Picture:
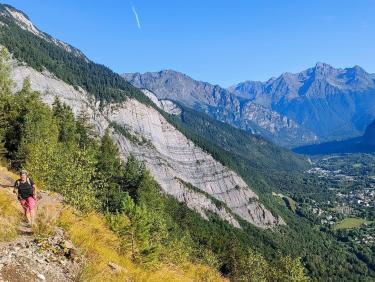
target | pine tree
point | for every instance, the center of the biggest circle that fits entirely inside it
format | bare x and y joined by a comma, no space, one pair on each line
85,131
138,230
133,176
5,80
66,121
109,172
5,98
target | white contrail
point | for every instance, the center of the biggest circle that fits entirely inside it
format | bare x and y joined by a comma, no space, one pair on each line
136,17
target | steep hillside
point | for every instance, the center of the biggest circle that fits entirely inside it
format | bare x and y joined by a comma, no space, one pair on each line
176,163
222,105
171,157
58,248
151,232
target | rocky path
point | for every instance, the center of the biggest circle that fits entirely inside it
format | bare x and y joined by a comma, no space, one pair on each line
33,257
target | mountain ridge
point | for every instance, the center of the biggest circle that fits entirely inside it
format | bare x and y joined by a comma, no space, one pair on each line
221,104
318,104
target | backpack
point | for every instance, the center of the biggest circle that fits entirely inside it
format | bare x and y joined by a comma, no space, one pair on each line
27,180
17,184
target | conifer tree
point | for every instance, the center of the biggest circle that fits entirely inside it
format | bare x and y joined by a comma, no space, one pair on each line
5,97
85,131
109,172
66,121
133,176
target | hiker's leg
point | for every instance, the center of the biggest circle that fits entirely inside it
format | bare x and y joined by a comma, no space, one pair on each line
25,209
28,216
32,216
31,205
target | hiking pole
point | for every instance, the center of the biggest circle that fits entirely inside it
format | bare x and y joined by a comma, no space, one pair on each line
6,186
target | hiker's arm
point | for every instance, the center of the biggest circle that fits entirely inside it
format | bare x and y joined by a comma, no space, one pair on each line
15,190
34,191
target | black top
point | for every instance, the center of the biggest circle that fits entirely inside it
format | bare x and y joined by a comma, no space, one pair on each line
25,189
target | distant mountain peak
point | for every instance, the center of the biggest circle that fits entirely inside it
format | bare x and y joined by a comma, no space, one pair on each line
323,70
322,65
357,70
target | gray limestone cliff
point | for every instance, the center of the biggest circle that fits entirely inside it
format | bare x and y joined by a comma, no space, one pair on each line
182,169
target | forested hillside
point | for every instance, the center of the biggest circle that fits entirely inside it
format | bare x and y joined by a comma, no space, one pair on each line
63,154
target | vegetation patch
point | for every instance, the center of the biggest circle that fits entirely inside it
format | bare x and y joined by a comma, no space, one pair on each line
139,140
290,203
350,223
219,204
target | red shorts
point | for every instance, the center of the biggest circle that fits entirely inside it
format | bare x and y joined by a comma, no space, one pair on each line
28,204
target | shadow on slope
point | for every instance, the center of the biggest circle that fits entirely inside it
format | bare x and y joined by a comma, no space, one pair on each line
353,145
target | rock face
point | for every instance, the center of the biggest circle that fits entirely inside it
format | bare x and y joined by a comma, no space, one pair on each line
181,168
235,109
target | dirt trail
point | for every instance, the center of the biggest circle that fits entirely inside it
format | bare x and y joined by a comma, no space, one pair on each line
31,256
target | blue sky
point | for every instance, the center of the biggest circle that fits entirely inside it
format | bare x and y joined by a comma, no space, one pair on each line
222,42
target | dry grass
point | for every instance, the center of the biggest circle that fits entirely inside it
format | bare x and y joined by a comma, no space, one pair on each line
46,220
7,173
10,211
10,216
101,246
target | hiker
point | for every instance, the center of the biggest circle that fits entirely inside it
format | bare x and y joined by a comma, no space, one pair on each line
25,189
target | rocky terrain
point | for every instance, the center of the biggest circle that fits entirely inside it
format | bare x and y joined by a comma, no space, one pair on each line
173,159
30,257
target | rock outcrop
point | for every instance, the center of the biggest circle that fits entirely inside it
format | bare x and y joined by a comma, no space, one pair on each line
182,169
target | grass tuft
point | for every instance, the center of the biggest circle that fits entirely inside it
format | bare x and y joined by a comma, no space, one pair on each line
10,216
